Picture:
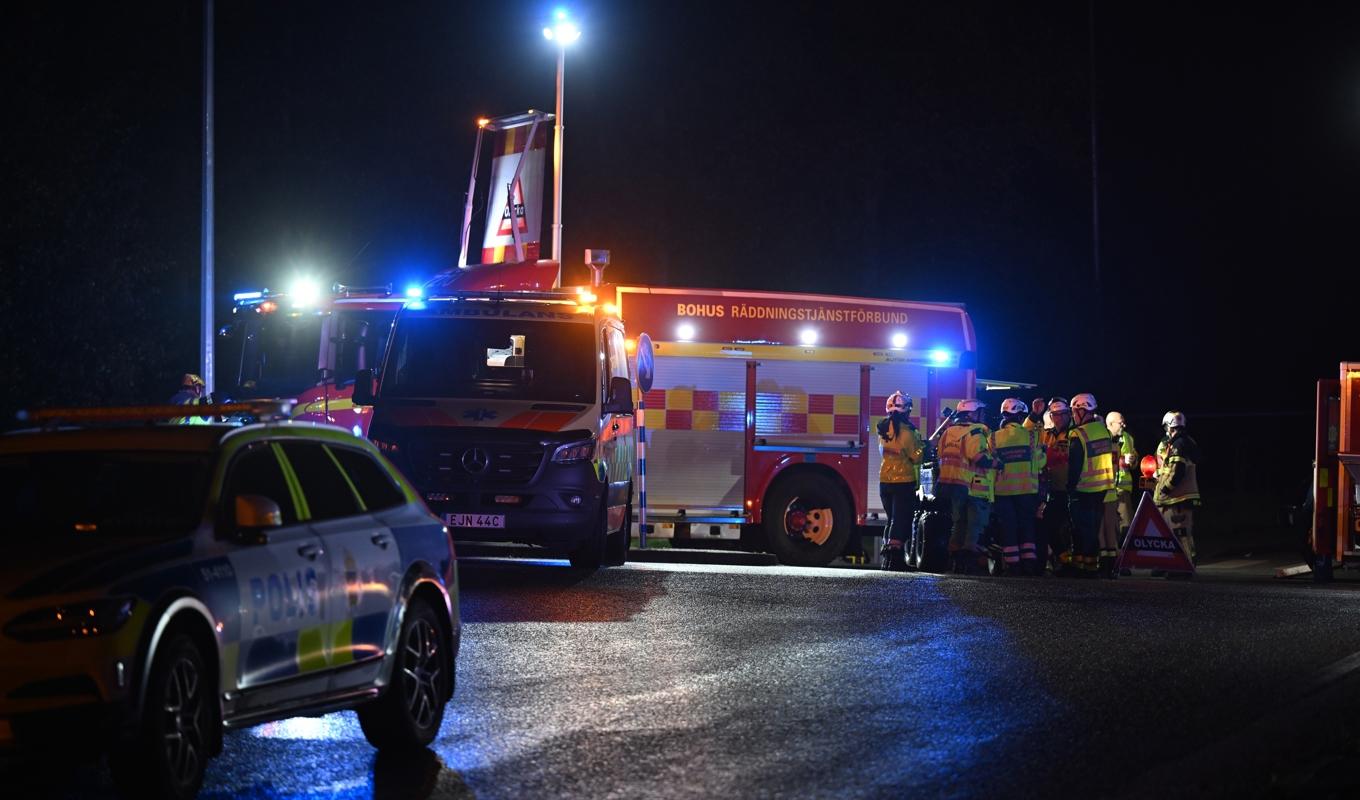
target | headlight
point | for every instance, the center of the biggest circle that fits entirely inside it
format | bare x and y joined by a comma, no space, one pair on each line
573,452
75,621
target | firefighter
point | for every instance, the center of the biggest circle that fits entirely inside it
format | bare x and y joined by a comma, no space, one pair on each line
1177,491
1052,528
898,475
967,475
1022,458
1090,477
190,394
1125,454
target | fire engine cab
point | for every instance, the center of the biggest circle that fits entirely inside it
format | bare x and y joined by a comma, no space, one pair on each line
308,344
759,422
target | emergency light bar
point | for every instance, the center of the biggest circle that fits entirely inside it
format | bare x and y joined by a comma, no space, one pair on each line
264,409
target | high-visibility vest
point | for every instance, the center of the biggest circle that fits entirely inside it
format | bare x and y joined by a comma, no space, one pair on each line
1097,463
1188,488
1056,445
1123,476
904,466
1022,458
960,447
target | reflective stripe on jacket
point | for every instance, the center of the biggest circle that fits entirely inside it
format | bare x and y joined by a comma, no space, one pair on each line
1097,460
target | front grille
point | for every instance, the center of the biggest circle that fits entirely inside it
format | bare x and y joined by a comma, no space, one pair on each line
454,464
69,686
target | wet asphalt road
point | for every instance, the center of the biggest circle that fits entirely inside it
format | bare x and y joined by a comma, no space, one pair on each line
701,681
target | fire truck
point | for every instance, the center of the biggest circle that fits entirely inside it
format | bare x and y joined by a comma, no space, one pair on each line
759,422
308,344
1336,472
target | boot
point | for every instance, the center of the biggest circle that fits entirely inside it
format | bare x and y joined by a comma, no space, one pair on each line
894,560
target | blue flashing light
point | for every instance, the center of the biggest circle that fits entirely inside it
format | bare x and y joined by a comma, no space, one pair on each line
560,13
416,305
941,356
415,292
239,296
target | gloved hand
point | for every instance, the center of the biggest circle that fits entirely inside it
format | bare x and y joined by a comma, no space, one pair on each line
1037,407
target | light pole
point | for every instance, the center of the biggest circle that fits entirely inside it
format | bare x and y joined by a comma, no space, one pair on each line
207,332
563,31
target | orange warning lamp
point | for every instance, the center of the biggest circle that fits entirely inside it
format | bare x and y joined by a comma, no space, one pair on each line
1148,466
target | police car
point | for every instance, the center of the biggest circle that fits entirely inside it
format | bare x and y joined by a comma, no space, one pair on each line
162,582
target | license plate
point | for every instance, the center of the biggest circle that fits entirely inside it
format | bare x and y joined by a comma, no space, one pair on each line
475,520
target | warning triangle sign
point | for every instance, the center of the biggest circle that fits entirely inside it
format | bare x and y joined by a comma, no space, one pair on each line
1150,544
517,204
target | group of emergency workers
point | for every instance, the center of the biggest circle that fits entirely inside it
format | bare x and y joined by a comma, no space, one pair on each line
1057,478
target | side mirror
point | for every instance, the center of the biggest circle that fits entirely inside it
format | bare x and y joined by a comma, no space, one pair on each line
255,512
620,397
363,388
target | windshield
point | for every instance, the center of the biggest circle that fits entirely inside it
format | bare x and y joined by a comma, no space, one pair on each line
279,355
492,358
103,493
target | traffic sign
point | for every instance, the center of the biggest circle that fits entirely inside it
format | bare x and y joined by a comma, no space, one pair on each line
1150,544
646,363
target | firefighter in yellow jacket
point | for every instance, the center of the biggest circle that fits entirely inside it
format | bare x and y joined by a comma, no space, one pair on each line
1177,491
1090,477
967,474
898,476
1022,458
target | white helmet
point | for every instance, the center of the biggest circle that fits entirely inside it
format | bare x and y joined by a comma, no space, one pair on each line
1084,401
1173,419
897,402
1014,405
1048,421
1058,406
969,406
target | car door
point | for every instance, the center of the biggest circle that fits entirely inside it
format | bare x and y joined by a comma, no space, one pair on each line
618,438
282,574
364,559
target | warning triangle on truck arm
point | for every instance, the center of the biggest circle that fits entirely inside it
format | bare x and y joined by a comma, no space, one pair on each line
1150,544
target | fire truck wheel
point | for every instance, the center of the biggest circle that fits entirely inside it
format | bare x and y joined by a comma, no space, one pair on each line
808,519
590,553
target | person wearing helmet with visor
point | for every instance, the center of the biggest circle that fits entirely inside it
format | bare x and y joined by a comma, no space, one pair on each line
899,473
1090,477
1022,458
190,393
1177,490
967,476
1053,525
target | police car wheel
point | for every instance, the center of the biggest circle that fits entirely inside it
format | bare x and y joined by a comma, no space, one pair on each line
409,712
807,519
167,756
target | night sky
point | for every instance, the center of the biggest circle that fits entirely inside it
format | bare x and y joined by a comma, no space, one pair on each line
937,151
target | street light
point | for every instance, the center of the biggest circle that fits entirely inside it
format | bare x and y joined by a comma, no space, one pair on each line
563,31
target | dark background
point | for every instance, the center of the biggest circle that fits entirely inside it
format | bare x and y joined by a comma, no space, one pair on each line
919,150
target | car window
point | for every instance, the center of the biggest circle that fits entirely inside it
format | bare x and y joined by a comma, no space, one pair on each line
370,478
327,490
618,355
257,471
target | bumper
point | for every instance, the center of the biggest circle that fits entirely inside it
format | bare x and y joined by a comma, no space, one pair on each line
555,528
84,728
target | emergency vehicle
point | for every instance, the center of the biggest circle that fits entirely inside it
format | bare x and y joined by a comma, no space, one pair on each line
163,582
306,343
1335,535
512,410
760,419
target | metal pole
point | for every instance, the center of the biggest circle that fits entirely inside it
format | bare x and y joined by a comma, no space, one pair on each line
642,471
557,167
206,310
467,205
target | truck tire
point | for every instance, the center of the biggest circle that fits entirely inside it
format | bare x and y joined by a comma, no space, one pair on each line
170,750
589,555
616,547
407,715
930,541
808,519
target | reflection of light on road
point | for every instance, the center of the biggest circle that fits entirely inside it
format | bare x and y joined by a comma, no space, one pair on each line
331,726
